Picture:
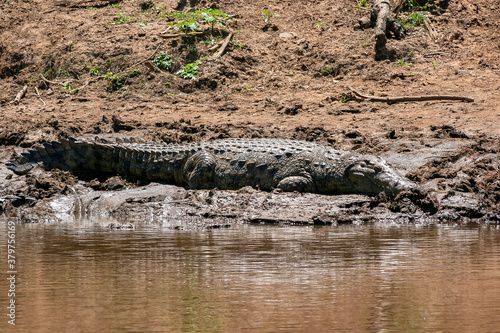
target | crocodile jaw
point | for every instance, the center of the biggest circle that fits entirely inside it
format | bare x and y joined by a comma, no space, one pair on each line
373,175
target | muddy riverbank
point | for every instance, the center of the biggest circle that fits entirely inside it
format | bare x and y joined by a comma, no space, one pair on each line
97,70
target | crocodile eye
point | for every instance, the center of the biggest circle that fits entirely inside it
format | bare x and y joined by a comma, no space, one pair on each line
362,164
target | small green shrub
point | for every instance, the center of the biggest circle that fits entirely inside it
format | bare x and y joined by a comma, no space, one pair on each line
412,20
134,73
70,90
190,71
121,19
212,17
268,16
186,26
147,5
115,81
361,4
403,63
163,61
95,70
345,98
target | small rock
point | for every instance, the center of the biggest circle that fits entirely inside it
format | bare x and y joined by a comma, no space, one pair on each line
364,22
288,35
114,183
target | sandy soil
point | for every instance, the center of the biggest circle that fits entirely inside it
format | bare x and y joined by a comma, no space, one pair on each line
287,77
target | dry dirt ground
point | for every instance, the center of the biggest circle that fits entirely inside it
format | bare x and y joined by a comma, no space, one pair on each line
89,70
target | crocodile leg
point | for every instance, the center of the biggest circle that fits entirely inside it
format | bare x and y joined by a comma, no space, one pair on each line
199,170
296,183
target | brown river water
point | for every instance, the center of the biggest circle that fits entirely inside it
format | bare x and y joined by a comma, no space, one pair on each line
83,277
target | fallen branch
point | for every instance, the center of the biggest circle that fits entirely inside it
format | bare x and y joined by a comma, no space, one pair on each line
83,3
384,23
191,34
20,95
38,94
224,46
411,98
51,82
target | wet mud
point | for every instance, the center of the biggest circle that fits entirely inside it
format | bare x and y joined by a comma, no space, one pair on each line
84,75
459,178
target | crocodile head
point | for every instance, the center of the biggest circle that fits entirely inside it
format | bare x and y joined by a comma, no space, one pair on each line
373,175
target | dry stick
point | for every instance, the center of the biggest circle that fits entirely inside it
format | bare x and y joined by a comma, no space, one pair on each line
432,54
430,28
196,33
398,6
51,82
224,46
148,58
217,45
412,98
20,95
68,3
38,94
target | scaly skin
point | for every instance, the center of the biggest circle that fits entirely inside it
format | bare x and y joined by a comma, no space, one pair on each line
229,164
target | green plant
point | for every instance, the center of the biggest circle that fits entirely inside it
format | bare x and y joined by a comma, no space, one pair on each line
134,73
412,20
238,44
416,4
434,64
163,61
121,19
403,63
322,26
268,16
361,4
345,98
190,70
95,70
69,46
212,17
115,81
186,26
327,70
116,5
147,5
71,90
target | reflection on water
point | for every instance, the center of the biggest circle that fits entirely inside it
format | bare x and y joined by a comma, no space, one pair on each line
256,279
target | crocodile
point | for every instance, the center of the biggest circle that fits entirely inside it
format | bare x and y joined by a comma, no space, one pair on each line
226,164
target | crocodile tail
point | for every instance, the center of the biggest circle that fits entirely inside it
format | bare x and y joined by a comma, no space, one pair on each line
62,155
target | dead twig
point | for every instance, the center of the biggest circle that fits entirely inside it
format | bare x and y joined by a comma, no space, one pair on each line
83,3
20,95
38,94
191,34
215,46
430,28
51,82
432,54
411,98
148,58
166,30
224,46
